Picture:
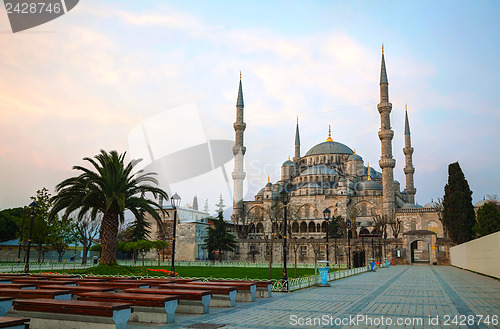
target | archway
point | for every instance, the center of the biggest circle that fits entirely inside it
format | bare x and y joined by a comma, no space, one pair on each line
421,246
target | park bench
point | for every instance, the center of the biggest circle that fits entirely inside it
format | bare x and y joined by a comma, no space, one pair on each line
8,322
76,290
57,276
72,314
118,286
88,279
246,290
36,293
17,286
222,296
263,287
5,305
157,281
38,284
190,301
146,307
5,280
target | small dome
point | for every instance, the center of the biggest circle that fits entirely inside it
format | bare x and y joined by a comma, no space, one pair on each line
329,148
373,173
431,204
354,157
368,185
288,163
261,192
481,203
269,184
319,170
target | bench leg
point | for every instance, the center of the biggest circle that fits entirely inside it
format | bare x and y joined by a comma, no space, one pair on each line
205,301
252,291
63,297
5,307
170,307
121,317
232,297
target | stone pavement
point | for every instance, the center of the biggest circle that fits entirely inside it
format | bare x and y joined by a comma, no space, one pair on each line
418,296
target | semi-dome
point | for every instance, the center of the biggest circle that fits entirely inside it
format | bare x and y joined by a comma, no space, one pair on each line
368,185
288,163
311,185
329,148
319,170
261,192
354,157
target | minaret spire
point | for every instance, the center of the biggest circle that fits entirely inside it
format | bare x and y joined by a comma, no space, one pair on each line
387,162
239,153
329,139
409,170
296,158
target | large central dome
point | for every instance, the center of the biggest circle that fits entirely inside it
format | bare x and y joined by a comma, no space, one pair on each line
329,148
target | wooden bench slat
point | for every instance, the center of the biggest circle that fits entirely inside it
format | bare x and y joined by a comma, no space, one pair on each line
135,298
7,321
69,306
182,294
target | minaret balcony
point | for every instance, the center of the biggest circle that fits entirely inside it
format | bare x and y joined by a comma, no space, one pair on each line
408,150
384,107
239,126
386,134
410,170
387,163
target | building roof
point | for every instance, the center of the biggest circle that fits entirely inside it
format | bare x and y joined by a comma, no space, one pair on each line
368,185
288,163
329,148
354,157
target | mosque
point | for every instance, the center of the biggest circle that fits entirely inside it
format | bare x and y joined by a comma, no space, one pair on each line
331,176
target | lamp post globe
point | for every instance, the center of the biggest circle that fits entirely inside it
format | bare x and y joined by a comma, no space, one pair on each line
175,202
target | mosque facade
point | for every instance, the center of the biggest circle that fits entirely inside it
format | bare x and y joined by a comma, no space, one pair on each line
332,177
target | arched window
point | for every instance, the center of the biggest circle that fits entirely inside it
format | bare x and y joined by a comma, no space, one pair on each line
260,228
323,227
295,227
413,226
312,227
433,227
303,227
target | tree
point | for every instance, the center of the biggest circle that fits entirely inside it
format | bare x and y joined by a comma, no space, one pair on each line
488,220
218,237
86,230
110,190
458,211
205,208
195,202
41,230
10,221
220,206
158,246
60,235
141,246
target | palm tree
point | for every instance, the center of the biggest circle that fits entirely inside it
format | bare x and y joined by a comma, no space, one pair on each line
111,189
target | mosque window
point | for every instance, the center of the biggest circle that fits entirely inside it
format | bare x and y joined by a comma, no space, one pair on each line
312,227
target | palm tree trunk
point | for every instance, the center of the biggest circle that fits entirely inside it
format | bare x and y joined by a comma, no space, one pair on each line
109,241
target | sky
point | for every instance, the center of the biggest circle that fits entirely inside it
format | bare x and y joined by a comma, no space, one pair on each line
154,78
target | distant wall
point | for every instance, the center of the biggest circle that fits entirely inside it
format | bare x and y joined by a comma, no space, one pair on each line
480,255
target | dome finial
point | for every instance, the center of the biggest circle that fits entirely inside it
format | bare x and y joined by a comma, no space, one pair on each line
297,119
329,139
240,75
354,151
369,176
382,49
269,178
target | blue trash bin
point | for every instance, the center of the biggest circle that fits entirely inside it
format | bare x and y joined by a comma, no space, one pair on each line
323,269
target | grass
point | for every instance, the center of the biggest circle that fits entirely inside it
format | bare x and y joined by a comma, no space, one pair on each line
191,271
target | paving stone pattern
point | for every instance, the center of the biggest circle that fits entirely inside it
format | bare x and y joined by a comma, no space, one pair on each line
417,296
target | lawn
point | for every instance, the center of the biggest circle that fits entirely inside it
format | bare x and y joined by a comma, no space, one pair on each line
193,271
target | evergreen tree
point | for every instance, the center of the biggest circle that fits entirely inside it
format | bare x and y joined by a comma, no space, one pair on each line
488,220
205,208
458,211
10,222
220,206
195,202
218,237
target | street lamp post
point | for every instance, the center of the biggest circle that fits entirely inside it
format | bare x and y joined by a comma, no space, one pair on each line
33,205
21,236
175,201
326,216
348,222
285,198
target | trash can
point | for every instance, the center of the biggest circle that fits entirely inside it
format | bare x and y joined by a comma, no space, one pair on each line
372,265
387,263
95,260
323,269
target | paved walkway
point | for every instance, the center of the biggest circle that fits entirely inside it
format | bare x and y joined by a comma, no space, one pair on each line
418,296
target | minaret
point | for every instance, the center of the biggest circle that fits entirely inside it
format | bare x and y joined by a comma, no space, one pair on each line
296,158
387,162
239,153
409,170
